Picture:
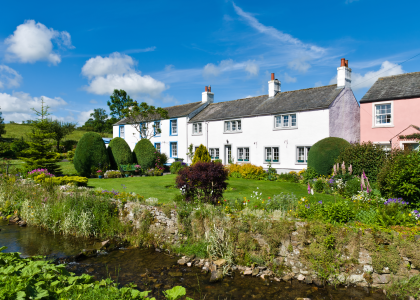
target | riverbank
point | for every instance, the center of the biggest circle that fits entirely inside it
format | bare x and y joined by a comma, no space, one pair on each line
273,246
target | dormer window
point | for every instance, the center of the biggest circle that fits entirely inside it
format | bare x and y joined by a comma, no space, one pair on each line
233,126
197,128
288,121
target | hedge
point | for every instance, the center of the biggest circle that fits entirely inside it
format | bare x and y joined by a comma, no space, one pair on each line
119,153
145,154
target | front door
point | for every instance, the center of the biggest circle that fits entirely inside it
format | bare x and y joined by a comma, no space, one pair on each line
228,154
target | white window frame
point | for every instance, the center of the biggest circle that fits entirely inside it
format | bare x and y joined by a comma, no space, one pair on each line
374,104
172,149
173,121
156,128
245,151
214,153
158,147
280,125
266,161
305,154
230,124
197,128
123,131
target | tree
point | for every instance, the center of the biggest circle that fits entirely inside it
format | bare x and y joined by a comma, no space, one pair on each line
120,100
97,121
2,125
201,155
143,118
60,130
39,154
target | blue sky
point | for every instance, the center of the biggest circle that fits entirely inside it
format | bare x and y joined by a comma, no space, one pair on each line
164,52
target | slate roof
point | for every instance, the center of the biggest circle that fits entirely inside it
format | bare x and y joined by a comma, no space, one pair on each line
283,102
394,87
173,111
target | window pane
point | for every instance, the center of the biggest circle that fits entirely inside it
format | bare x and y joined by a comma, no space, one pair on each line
268,154
307,153
278,121
285,121
211,152
199,128
276,154
247,154
174,149
383,114
240,153
293,120
239,125
233,123
194,128
174,127
300,154
227,126
217,152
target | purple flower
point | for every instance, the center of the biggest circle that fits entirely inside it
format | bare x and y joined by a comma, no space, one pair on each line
320,202
309,188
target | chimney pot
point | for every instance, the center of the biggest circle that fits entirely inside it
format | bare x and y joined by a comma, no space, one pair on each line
209,89
206,88
272,76
343,62
347,63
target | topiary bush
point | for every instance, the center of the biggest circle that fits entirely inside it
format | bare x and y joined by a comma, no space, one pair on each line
90,153
145,154
324,153
176,166
201,154
400,176
119,153
366,157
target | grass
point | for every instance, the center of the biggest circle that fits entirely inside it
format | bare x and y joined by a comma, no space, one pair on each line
163,188
19,130
66,167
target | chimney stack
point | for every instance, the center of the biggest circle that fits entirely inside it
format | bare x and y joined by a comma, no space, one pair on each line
344,74
207,95
274,86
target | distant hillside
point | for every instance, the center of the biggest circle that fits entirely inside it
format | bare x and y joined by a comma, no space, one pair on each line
18,131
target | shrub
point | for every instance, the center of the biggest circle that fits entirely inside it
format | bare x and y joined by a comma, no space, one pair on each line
163,158
366,157
400,176
18,145
145,154
204,181
90,152
73,180
176,166
308,174
324,153
247,171
201,155
69,145
119,153
112,174
352,187
288,177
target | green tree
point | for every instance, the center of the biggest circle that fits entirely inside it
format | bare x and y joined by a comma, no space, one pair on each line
2,125
201,154
120,100
39,154
60,130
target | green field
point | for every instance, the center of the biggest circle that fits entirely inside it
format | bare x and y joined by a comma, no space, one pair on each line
18,131
163,188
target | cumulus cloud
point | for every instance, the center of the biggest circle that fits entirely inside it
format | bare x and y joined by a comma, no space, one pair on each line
250,66
289,78
83,116
9,78
17,106
117,72
32,42
359,81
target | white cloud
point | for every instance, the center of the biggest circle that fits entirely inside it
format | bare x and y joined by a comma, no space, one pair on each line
359,81
169,68
319,83
300,64
83,117
93,101
17,106
117,72
227,65
149,49
289,78
9,78
32,42
252,67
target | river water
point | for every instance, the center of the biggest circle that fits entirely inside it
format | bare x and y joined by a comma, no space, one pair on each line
155,272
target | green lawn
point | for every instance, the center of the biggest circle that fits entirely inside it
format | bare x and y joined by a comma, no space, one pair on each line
18,131
162,187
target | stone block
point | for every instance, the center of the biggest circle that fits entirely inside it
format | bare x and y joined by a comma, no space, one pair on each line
364,257
381,278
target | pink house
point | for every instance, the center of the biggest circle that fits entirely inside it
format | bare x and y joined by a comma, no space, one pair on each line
390,112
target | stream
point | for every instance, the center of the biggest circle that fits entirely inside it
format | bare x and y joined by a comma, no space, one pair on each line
154,271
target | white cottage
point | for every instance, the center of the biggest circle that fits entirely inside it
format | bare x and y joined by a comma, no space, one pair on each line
278,128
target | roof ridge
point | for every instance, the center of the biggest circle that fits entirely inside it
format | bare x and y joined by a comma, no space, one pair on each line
182,104
404,74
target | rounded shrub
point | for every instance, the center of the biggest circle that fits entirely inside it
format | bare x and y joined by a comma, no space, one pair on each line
324,153
90,153
201,155
400,176
145,154
366,157
119,153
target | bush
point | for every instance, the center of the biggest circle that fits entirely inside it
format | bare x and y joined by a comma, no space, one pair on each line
18,145
203,181
352,187
366,157
69,145
176,166
90,153
201,155
400,176
112,174
119,153
324,153
247,171
73,180
145,154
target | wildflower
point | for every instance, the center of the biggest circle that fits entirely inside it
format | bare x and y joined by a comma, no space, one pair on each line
320,202
309,188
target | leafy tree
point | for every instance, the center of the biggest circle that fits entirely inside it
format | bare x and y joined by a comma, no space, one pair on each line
60,130
142,116
99,117
2,125
39,154
145,154
120,100
201,154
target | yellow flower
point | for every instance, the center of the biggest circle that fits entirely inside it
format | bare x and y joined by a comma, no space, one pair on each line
409,215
